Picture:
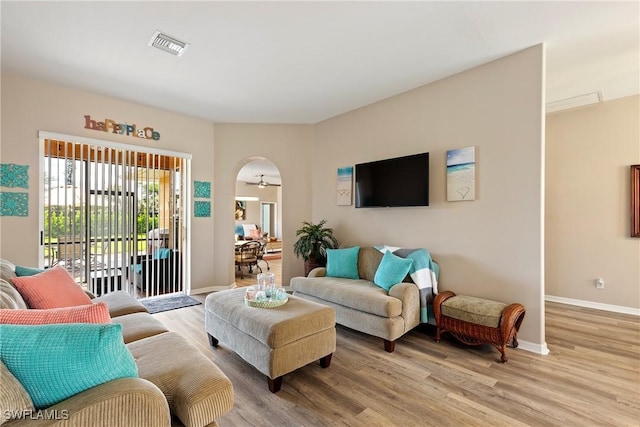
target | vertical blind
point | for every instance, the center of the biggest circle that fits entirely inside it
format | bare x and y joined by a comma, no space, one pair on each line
114,217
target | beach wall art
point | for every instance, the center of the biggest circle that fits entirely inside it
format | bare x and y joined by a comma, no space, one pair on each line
344,186
461,174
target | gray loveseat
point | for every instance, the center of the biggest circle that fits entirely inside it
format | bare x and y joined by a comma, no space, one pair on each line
362,305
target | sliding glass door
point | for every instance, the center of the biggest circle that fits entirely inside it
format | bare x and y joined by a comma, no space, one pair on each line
113,216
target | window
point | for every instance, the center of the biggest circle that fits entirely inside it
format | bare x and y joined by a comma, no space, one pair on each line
113,215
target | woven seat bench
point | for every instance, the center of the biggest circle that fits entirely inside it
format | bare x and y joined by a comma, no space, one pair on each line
475,321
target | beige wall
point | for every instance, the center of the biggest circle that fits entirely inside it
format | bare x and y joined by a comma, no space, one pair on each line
29,106
589,151
290,148
268,194
490,247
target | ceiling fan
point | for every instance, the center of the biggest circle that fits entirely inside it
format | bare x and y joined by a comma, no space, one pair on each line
262,183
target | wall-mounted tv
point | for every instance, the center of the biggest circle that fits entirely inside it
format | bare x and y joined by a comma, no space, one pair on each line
401,181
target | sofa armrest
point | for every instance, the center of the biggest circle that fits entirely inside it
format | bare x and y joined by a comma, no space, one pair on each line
409,294
121,402
318,272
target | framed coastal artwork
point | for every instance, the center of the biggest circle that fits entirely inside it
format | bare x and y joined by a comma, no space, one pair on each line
344,186
461,174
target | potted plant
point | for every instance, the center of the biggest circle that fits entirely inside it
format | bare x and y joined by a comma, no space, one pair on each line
312,244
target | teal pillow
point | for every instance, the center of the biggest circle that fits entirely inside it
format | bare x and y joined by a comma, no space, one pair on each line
27,271
343,263
392,270
162,253
54,362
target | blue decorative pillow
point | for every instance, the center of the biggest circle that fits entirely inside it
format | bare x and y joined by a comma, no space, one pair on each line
162,253
27,271
343,263
54,362
391,271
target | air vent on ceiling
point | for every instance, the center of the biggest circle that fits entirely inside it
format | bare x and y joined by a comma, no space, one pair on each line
168,43
574,102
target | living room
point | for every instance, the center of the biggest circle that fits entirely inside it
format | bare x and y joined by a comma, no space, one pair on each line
543,225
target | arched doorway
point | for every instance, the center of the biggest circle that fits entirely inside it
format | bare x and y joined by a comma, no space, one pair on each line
258,216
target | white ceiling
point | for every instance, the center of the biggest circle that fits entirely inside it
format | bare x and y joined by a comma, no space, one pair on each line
303,62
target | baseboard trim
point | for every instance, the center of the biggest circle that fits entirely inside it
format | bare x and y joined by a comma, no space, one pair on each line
210,289
533,347
597,305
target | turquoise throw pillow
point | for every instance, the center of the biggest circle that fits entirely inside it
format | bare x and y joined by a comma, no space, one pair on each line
54,362
391,271
162,253
343,263
27,271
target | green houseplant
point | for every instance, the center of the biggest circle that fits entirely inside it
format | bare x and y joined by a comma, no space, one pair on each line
312,244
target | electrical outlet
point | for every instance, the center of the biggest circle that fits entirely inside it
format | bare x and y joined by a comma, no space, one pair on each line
600,283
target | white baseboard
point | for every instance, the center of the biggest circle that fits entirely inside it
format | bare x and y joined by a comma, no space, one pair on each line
596,305
533,347
209,289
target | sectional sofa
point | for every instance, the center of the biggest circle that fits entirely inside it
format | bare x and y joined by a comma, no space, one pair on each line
174,382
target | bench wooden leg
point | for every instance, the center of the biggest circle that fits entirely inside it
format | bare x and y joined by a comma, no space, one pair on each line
326,361
213,342
274,384
389,346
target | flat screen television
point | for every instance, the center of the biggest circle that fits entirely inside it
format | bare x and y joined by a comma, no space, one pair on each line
401,181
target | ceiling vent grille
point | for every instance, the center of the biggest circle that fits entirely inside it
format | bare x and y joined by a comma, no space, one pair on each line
168,43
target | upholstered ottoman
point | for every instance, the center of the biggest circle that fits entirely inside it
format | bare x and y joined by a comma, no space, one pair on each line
475,321
275,341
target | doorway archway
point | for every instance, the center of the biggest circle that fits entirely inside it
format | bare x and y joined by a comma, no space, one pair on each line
258,216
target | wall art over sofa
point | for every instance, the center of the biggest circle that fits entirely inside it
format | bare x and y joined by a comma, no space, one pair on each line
461,174
344,186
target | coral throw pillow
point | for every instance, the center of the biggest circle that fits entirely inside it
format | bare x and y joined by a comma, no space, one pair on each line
53,288
92,313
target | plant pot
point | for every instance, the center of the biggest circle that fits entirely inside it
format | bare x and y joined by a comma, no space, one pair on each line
310,265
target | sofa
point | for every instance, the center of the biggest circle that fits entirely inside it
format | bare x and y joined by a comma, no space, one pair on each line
174,384
362,305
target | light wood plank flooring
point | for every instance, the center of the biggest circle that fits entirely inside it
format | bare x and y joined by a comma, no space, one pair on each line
275,267
591,378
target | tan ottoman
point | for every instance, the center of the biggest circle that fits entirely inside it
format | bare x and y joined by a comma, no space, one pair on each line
275,341
475,321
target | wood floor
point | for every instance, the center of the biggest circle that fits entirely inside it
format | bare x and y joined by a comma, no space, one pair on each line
275,267
590,378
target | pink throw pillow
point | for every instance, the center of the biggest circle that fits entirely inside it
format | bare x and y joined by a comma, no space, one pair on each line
92,313
53,288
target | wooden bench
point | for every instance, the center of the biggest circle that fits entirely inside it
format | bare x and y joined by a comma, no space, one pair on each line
475,321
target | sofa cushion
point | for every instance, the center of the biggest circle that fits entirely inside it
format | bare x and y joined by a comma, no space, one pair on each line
51,289
7,270
392,270
136,326
361,295
14,399
10,297
121,303
91,313
343,262
196,389
55,362
368,260
474,310
27,271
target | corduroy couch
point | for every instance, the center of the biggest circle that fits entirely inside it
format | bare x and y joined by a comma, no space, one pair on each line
175,379
360,304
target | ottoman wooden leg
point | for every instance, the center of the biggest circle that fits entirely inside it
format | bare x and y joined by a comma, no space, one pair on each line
274,384
213,341
326,361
